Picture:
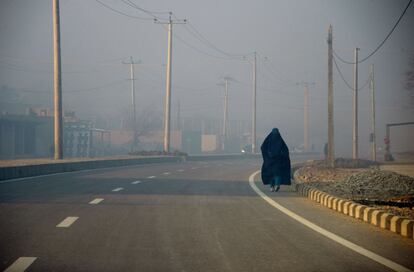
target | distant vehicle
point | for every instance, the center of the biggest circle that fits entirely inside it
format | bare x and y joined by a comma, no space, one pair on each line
247,149
297,150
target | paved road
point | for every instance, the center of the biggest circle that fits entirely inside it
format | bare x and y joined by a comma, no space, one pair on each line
198,216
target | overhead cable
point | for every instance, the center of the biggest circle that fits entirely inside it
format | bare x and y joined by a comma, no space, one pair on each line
344,80
193,31
122,13
382,43
193,47
68,91
135,6
270,68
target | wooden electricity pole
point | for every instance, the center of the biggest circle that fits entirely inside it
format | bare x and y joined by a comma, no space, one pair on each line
57,84
331,146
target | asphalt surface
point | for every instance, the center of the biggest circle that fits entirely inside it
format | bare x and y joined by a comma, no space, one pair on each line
194,216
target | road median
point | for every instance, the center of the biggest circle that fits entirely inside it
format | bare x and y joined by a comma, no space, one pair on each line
31,168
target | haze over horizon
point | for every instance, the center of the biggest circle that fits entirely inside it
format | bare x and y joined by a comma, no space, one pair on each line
289,37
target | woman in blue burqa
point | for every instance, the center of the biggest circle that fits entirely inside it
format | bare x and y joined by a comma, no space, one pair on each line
276,161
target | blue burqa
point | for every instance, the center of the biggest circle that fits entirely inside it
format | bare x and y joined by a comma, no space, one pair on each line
276,161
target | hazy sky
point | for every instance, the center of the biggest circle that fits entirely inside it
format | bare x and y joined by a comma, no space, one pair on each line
289,36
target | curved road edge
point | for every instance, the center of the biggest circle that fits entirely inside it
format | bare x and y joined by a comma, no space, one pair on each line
354,247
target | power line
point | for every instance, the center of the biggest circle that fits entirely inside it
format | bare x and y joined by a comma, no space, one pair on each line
148,11
365,84
344,80
122,13
196,33
269,90
135,6
132,4
19,68
66,91
195,48
381,44
342,76
13,67
271,69
109,84
6,59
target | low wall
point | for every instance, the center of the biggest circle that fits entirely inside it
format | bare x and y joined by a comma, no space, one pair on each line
12,172
222,157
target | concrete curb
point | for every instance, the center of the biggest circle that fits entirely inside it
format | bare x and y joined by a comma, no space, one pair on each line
394,223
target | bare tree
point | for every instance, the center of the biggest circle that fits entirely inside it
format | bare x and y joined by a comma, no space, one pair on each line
409,80
147,120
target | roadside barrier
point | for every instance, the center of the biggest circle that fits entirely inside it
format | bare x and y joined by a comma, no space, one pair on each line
394,223
23,171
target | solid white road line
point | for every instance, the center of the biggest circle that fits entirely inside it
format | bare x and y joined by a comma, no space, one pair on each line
96,201
67,222
365,252
150,177
117,189
136,182
166,173
21,264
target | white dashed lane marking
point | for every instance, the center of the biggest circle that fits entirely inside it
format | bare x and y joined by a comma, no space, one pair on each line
193,168
21,264
166,173
180,170
117,189
67,222
151,177
136,182
96,201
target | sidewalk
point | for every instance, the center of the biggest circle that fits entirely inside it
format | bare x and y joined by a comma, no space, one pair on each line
403,169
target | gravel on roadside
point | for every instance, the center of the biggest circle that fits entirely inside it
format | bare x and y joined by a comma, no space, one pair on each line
381,189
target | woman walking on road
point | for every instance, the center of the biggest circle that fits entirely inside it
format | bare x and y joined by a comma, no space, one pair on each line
276,161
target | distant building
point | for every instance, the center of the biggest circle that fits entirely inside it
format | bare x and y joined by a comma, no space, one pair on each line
31,135
25,136
185,141
209,143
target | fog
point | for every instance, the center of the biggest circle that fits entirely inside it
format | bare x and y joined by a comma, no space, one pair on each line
289,37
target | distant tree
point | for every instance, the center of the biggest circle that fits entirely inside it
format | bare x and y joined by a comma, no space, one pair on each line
147,120
409,80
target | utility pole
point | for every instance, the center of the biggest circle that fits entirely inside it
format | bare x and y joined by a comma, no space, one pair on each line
254,104
57,83
178,115
331,146
134,114
355,120
373,136
167,109
306,118
306,113
225,111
